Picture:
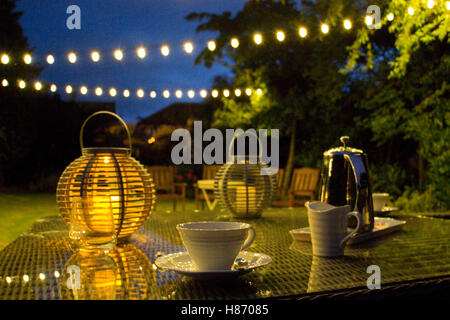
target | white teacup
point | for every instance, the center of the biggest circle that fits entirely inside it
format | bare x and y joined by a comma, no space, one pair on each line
215,245
328,227
379,200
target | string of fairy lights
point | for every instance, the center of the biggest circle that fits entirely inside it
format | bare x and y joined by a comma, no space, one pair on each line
140,93
165,50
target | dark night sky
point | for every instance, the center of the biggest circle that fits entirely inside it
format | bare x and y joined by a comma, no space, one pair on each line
110,24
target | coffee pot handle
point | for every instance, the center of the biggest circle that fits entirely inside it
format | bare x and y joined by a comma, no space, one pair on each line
358,217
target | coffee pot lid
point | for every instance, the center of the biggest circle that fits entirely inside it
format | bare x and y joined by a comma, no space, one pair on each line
343,149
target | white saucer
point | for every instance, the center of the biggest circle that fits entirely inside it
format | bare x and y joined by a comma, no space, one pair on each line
181,263
385,211
382,226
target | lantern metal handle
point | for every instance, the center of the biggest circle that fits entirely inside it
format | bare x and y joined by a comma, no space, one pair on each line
111,114
237,135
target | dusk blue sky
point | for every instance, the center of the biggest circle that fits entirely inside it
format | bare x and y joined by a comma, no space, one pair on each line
110,24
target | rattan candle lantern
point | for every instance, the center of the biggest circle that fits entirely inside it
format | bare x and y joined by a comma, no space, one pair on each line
109,173
242,189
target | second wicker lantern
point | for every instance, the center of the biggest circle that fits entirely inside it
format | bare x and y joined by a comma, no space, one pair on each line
242,188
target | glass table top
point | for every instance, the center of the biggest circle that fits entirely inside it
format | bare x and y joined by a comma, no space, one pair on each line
40,264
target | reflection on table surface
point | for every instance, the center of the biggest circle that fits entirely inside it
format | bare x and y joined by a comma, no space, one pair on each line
40,265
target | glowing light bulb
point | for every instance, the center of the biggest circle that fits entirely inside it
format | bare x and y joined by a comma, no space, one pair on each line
72,57
165,51
53,88
8,279
303,32
153,94
22,84
98,91
191,94
203,93
347,24
237,92
106,160
5,59
5,83
38,86
368,20
410,11
226,93
95,56
257,38
390,16
214,93
27,58
126,93
178,94
83,90
248,91
430,4
118,54
26,278
50,59
41,276
259,92
112,92
166,94
211,45
447,4
141,52
234,42
324,28
280,36
140,93
188,47
69,89
56,273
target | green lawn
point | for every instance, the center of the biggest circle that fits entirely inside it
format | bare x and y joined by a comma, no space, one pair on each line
19,211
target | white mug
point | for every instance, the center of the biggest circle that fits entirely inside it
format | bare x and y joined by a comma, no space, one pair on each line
215,245
328,227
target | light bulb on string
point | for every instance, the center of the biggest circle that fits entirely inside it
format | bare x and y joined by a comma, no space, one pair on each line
248,91
215,93
53,88
69,89
95,56
118,54
211,45
22,84
141,52
140,93
5,83
203,93
390,16
303,32
50,59
430,4
98,91
237,92
27,58
347,24
165,51
83,90
234,43
410,11
112,92
191,94
257,38
126,93
188,47
38,85
280,36
166,94
72,57
153,94
226,93
178,94
324,28
5,59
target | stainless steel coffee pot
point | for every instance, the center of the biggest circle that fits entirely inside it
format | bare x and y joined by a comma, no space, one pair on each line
345,181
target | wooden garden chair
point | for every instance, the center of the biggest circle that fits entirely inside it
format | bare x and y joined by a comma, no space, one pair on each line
209,173
303,183
166,187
